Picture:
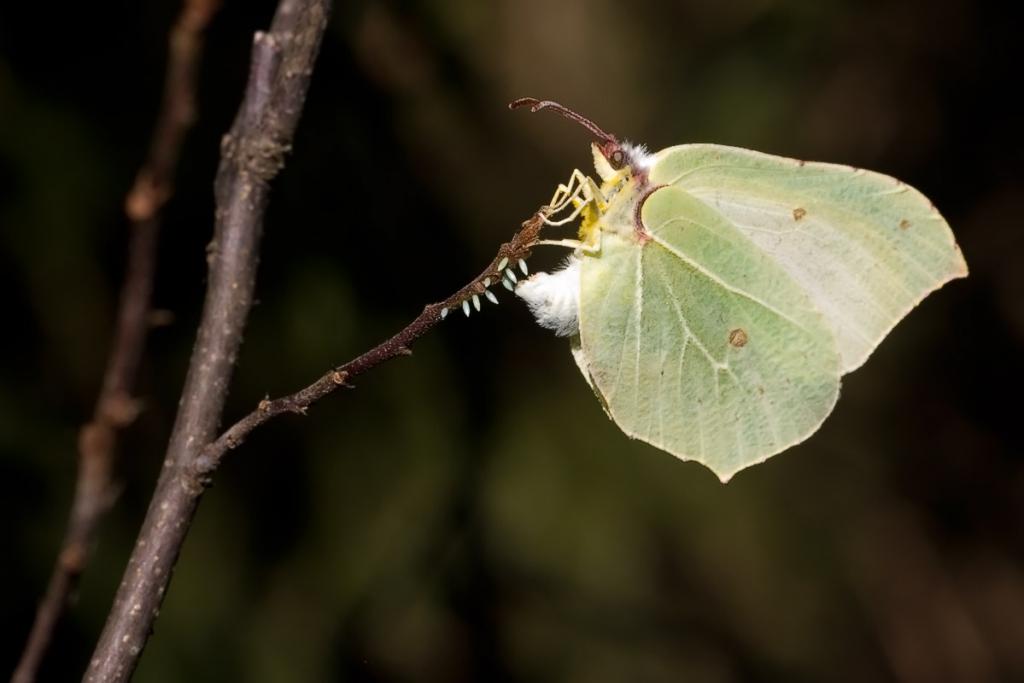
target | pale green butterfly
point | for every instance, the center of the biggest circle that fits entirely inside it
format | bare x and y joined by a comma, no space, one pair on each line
716,295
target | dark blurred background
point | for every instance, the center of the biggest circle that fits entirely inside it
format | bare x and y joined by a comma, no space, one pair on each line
469,513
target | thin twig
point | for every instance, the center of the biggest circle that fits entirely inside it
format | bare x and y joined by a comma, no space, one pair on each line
116,407
398,345
252,153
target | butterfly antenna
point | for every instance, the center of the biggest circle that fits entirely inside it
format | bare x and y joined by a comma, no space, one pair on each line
536,105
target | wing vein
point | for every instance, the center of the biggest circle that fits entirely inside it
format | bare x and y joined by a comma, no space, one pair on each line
639,304
719,281
614,389
715,364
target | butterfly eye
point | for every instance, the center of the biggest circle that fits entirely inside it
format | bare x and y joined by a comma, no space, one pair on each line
617,159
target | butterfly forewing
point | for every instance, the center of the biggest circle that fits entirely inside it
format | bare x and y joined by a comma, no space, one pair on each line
864,246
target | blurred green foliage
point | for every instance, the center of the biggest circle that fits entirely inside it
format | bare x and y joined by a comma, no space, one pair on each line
469,513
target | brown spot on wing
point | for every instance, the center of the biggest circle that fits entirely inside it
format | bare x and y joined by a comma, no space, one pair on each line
799,213
904,224
738,337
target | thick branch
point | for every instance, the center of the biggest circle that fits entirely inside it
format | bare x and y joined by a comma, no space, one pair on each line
116,406
252,153
398,345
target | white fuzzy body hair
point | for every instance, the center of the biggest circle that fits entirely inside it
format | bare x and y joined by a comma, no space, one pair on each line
554,298
639,155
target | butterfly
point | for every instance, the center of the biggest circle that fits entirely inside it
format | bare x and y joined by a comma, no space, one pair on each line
716,296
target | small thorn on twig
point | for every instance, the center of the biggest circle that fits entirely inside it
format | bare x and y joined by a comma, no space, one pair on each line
264,405
405,350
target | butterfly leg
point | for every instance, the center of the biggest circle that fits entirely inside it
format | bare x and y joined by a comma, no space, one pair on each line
565,193
571,244
579,191
585,193
590,246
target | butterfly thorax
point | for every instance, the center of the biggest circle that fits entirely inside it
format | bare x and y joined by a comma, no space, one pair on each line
616,209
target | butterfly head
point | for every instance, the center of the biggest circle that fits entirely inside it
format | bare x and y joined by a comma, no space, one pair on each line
621,161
